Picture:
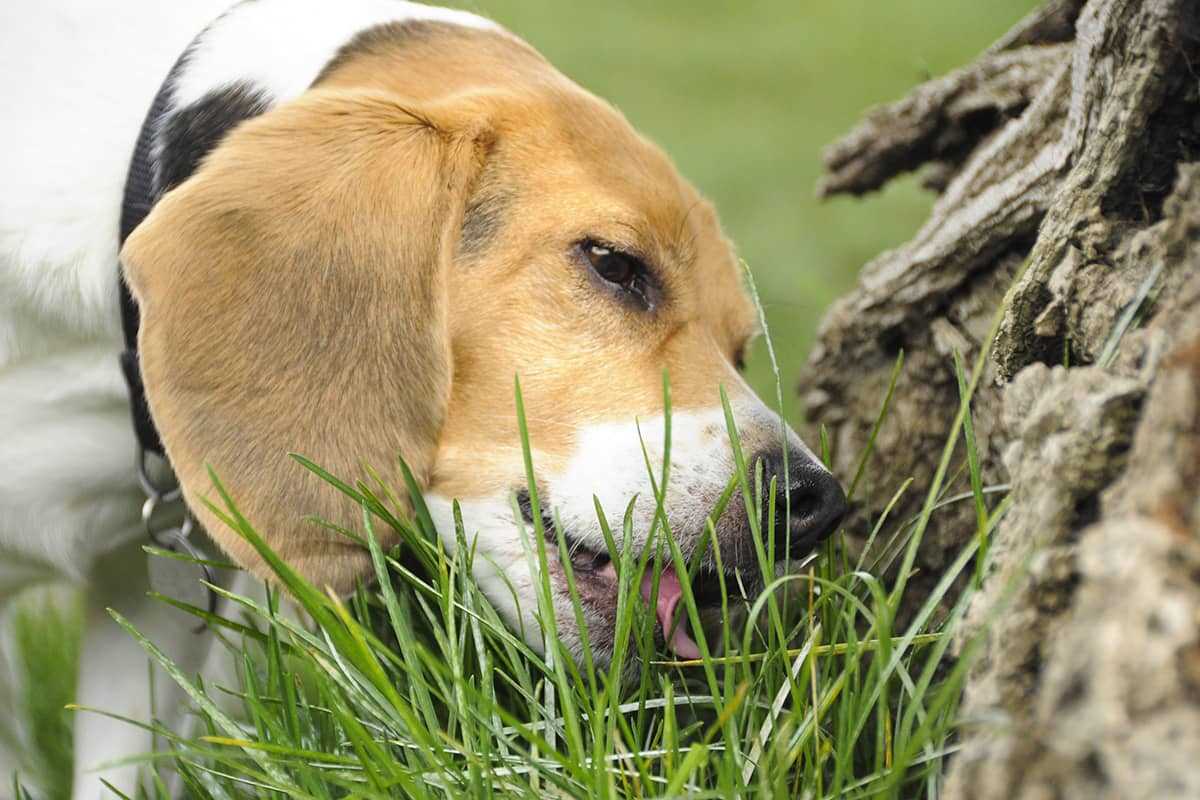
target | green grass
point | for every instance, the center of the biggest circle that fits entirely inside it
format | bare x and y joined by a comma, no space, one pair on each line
415,688
45,632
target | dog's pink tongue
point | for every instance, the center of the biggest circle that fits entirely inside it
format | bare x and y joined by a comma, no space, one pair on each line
669,594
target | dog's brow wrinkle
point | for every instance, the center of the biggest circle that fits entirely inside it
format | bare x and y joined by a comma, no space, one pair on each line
634,230
688,249
683,224
482,220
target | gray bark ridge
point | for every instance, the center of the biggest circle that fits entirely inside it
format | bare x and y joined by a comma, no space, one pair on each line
1090,684
1067,158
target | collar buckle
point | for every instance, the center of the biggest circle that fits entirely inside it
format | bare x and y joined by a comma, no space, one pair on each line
168,522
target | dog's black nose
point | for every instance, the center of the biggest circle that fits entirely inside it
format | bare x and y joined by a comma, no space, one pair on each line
809,505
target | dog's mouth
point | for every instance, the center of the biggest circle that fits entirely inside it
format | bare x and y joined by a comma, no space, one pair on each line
597,584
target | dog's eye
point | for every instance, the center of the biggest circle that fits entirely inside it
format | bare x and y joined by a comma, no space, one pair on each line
623,270
613,265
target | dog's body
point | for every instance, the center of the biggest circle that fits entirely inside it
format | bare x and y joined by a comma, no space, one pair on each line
77,79
450,143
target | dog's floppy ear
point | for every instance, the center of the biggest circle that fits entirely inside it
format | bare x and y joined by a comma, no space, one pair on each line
292,295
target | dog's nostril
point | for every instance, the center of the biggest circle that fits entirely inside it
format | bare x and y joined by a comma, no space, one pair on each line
818,506
811,506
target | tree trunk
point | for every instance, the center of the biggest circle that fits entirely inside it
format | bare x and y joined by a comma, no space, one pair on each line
1067,159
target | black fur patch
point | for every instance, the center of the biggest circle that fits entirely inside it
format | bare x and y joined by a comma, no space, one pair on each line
190,133
525,503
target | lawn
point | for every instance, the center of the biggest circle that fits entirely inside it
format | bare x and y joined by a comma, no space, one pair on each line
824,698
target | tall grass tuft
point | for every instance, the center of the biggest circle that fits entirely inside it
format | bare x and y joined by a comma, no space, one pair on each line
414,687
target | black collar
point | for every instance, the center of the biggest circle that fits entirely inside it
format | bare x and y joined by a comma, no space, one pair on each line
141,193
143,188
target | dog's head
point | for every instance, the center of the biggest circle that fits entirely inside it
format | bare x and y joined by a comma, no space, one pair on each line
360,273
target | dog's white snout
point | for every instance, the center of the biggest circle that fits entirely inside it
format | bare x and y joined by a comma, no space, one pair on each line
621,466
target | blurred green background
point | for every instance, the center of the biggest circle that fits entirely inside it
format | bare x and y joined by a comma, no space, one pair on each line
745,95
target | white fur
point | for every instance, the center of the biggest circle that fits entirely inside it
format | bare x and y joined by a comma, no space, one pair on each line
76,80
502,567
301,35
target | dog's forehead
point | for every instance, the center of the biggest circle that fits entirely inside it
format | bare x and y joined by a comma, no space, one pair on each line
585,144
564,160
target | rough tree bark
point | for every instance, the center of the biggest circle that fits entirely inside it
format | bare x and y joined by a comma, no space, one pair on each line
1067,162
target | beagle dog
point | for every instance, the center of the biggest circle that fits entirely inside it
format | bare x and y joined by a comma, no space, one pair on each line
368,217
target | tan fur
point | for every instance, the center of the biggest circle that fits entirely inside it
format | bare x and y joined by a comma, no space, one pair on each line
305,289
